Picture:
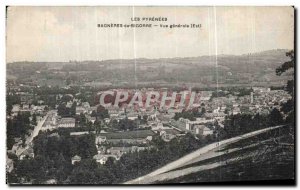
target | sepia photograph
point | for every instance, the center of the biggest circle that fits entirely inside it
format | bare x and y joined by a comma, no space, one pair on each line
150,95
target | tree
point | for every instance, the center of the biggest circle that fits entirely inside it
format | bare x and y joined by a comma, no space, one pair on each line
90,126
34,121
98,126
10,101
62,110
288,107
203,111
145,118
73,109
82,120
286,66
102,112
94,113
275,117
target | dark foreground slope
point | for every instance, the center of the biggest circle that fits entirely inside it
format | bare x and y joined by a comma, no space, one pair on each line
265,157
266,154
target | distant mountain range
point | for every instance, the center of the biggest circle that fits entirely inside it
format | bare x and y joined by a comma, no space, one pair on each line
204,71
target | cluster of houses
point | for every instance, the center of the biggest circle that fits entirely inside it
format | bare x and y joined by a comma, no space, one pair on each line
113,153
32,109
261,100
158,121
114,145
53,121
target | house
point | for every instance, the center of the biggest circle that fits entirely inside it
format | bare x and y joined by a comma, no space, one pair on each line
236,111
51,181
157,126
26,97
91,119
101,149
198,129
130,137
168,134
200,120
175,110
75,159
85,105
178,125
205,95
106,120
25,106
40,102
67,122
99,140
165,118
102,158
207,131
202,130
69,104
38,109
119,151
91,109
9,165
143,126
132,116
152,116
51,119
138,148
216,110
15,109
80,110
80,133
28,153
186,122
113,111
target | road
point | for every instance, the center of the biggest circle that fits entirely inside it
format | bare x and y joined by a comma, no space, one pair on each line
33,134
206,152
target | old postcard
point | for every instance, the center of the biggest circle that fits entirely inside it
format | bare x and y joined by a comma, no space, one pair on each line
101,95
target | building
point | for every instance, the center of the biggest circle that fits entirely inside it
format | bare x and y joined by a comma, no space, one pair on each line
66,122
169,134
80,110
207,131
198,129
132,116
203,130
119,151
51,120
100,140
157,126
9,165
26,98
38,109
129,137
102,158
205,95
28,153
106,120
15,109
91,119
92,109
75,159
86,105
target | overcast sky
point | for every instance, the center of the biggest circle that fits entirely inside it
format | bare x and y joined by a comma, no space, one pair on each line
71,33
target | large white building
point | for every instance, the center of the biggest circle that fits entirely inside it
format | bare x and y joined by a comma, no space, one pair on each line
66,122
